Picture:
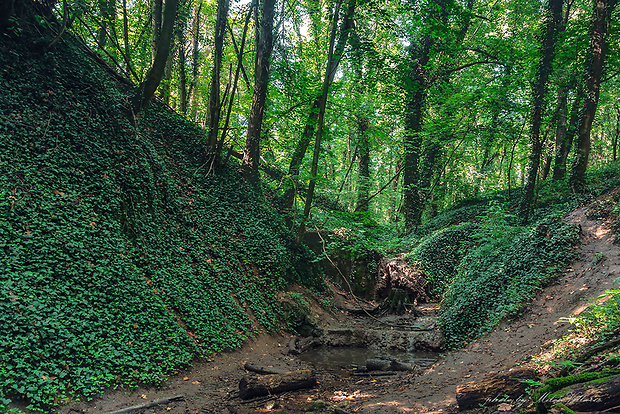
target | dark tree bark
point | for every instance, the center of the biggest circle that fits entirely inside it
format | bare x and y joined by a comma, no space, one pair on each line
363,171
182,74
191,93
598,51
416,83
214,97
144,92
127,55
164,91
107,8
565,142
416,89
614,141
363,125
553,22
156,20
251,155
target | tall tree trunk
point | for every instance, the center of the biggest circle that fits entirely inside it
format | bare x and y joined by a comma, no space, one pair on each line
127,56
182,74
214,97
565,142
363,170
333,59
251,154
312,121
156,21
165,87
561,129
144,92
363,124
553,18
237,72
598,50
107,9
416,88
192,92
614,141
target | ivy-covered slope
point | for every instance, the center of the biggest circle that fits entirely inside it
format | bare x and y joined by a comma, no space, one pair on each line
120,256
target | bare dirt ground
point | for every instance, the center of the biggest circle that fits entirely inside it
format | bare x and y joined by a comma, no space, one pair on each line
211,386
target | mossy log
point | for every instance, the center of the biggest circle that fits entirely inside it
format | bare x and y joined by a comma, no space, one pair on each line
599,395
472,394
258,386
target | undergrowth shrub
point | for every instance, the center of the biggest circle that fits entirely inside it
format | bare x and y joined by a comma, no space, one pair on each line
120,257
497,278
439,254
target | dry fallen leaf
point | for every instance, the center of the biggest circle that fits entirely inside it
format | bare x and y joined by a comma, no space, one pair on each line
196,382
185,378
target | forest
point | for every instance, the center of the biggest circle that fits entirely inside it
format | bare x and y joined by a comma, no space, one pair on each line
181,177
398,109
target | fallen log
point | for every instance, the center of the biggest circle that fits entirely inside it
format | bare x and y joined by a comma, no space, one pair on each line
598,395
507,384
258,386
263,370
147,405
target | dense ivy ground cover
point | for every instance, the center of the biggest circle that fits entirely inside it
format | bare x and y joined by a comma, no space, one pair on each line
119,257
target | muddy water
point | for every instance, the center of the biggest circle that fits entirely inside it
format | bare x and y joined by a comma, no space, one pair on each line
338,357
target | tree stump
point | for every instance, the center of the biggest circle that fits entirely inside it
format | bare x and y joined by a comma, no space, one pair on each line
259,386
400,285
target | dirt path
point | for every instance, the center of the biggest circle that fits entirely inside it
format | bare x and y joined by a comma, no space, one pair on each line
512,342
210,386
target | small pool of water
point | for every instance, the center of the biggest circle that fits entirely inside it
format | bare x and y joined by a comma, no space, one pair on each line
346,356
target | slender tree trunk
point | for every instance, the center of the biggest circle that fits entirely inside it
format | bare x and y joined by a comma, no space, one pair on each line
565,142
236,78
251,155
614,142
182,75
553,18
192,93
165,87
334,57
598,50
561,129
144,92
363,124
214,97
363,171
108,14
312,121
156,21
126,37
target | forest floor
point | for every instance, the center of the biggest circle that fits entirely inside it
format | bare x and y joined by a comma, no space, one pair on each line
211,386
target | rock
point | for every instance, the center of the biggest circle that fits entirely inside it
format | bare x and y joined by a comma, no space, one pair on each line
496,388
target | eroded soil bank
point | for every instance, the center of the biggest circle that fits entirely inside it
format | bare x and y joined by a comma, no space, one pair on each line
212,386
